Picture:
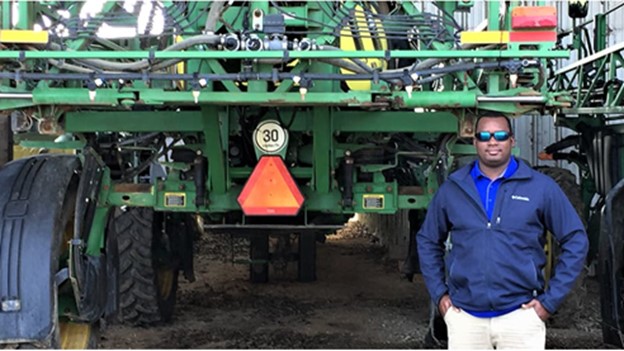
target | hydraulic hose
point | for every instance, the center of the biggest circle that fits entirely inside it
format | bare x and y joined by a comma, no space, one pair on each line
208,39
213,16
363,67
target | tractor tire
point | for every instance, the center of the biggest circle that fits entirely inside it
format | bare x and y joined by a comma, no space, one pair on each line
148,274
611,267
571,311
47,188
567,181
6,140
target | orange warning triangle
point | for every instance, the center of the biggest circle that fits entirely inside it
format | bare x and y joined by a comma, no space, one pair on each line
270,190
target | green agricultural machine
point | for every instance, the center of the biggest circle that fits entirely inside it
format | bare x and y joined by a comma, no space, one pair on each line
595,82
259,119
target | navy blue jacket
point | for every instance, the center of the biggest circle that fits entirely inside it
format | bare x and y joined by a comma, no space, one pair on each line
498,265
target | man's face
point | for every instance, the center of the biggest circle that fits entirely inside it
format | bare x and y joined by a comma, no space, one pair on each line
493,153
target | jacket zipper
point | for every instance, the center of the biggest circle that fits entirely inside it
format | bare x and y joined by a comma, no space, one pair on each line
498,204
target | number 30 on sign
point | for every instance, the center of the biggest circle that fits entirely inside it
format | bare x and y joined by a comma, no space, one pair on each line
270,137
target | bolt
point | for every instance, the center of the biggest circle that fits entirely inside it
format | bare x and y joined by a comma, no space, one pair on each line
389,189
369,188
181,187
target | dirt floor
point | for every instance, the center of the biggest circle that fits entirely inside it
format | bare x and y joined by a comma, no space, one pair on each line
358,302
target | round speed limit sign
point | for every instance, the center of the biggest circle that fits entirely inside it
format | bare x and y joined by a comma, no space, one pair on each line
270,137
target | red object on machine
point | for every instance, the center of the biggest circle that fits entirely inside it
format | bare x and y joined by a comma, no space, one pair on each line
270,190
534,17
532,37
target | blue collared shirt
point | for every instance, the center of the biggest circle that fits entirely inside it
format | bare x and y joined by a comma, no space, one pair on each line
487,189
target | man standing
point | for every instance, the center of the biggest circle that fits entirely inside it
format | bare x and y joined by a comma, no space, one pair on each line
494,213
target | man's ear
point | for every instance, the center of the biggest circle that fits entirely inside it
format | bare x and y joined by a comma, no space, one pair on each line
513,141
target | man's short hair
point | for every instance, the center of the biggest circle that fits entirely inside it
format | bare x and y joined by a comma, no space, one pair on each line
493,115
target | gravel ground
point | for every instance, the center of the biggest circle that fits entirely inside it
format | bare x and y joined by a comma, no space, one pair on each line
358,302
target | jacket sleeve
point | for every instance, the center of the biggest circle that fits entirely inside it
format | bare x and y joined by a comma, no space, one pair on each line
430,242
564,223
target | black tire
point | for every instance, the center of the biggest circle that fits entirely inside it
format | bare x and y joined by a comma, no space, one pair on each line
567,181
6,140
67,334
307,257
148,273
611,267
570,311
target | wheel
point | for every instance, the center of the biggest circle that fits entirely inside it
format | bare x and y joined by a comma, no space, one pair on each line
71,334
41,194
148,269
570,311
77,336
6,140
307,257
611,267
259,255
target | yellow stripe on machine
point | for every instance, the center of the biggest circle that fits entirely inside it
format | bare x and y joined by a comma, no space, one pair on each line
180,67
488,37
363,41
19,36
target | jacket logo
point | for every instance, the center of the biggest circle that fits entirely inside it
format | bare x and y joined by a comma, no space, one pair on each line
520,198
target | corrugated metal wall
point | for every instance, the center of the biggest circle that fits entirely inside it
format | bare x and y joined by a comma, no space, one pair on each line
533,133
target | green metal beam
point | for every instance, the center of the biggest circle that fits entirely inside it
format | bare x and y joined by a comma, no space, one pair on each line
25,15
321,145
216,67
134,121
192,121
593,110
318,54
395,121
112,97
214,150
6,14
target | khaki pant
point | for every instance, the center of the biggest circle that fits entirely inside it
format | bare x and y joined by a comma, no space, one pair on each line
520,329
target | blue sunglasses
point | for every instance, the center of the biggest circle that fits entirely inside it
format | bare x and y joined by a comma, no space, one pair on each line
500,135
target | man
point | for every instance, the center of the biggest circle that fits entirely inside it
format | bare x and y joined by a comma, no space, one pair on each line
494,213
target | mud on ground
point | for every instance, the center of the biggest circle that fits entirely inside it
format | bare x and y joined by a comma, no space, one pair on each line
358,302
